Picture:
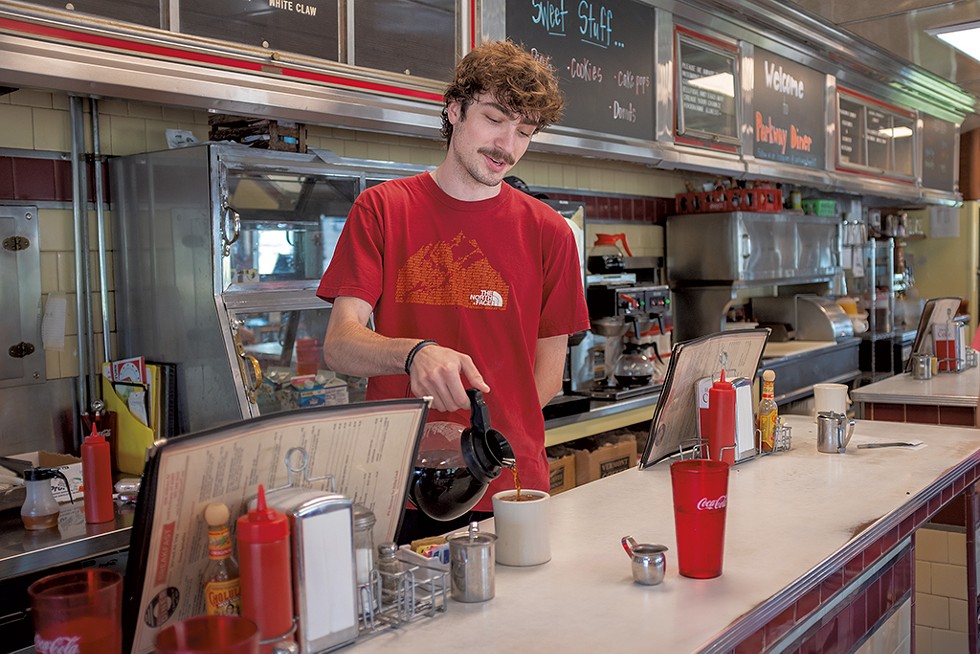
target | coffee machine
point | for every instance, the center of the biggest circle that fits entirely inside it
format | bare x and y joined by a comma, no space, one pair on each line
627,317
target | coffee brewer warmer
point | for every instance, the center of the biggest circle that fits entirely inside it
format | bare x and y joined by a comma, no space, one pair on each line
622,315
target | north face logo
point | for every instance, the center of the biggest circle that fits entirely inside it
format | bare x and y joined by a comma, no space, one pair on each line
452,273
487,299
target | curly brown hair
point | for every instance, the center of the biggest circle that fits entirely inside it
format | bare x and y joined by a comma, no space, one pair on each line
518,80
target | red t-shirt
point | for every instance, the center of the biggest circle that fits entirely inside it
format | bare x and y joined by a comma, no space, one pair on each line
486,278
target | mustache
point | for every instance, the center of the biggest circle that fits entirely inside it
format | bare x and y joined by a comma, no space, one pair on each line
497,155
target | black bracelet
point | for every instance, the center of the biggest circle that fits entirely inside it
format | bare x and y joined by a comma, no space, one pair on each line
411,354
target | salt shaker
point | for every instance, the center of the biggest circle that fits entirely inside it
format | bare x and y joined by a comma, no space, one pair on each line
389,568
364,542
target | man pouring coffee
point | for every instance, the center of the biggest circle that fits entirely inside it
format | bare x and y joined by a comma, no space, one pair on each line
472,283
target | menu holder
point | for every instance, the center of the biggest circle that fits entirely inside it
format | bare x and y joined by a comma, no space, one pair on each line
368,448
675,419
935,310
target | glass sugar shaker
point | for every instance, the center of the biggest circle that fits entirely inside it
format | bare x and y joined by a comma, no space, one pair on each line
363,542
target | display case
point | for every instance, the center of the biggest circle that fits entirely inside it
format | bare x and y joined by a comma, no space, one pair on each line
218,252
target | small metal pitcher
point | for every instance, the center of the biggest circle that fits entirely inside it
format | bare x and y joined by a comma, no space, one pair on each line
831,438
922,366
649,561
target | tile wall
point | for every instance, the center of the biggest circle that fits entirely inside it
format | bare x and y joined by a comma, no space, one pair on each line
941,621
39,120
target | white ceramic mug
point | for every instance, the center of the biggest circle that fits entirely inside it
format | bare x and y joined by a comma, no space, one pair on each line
522,528
831,397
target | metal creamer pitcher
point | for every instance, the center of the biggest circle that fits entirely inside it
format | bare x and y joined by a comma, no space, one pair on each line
831,438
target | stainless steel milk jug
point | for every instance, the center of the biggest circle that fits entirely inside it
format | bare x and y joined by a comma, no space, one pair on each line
831,437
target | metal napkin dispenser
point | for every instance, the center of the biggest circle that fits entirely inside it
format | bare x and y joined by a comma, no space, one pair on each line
324,576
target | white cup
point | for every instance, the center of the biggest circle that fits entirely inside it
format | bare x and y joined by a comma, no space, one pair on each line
522,528
831,397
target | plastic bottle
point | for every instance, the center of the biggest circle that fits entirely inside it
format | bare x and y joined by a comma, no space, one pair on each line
40,510
267,587
768,413
97,478
721,421
222,587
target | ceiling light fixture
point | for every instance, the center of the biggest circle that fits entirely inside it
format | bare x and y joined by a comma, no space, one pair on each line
896,132
964,37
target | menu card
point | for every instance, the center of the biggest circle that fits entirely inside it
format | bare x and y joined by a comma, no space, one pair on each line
674,423
368,449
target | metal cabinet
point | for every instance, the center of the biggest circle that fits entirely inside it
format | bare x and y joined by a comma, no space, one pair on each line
218,252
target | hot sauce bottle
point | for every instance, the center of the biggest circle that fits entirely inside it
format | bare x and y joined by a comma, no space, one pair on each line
222,590
768,413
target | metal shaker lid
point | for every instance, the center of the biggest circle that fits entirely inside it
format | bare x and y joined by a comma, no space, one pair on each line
363,518
472,536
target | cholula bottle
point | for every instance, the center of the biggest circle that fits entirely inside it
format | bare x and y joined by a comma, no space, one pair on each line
222,586
768,413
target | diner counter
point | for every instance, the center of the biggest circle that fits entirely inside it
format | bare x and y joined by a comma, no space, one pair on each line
944,389
797,521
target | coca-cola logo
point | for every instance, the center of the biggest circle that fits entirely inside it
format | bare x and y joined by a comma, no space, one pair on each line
59,645
704,504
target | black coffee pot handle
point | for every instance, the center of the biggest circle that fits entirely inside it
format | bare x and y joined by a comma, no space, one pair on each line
479,413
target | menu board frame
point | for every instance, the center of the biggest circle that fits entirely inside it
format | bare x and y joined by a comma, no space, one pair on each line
874,115
729,139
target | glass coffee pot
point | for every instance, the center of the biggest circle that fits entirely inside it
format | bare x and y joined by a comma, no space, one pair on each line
456,464
633,367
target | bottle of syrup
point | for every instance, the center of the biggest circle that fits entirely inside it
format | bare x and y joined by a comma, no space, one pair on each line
97,478
267,587
222,585
768,413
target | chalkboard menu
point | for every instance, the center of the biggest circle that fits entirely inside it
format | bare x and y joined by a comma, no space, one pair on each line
603,53
707,76
938,145
873,135
788,111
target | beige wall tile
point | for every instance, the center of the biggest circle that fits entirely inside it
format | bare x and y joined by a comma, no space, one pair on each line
181,115
68,360
66,271
923,640
31,98
379,151
71,315
55,229
958,620
128,135
49,272
957,547
948,642
59,101
931,611
931,545
18,127
923,576
156,134
143,110
949,580
113,107
52,364
357,149
52,130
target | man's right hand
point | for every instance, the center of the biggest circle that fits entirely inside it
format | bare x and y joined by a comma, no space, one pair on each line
439,372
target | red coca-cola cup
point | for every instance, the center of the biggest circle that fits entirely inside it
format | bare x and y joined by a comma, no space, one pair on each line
79,611
700,489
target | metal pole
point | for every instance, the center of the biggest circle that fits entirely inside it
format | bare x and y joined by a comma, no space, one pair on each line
83,304
100,226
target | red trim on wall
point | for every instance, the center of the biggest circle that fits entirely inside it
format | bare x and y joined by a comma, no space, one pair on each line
28,179
131,46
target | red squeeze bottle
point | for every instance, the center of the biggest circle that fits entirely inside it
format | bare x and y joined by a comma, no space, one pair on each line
265,567
97,478
721,420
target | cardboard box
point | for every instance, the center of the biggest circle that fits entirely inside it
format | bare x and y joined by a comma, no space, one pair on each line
70,466
607,459
322,389
562,472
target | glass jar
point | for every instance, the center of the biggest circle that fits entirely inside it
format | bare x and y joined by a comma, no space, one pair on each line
363,543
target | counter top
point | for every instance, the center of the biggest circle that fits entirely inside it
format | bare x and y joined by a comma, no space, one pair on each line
944,389
792,518
25,552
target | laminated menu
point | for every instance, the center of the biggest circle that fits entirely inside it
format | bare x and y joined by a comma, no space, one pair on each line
367,450
674,424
